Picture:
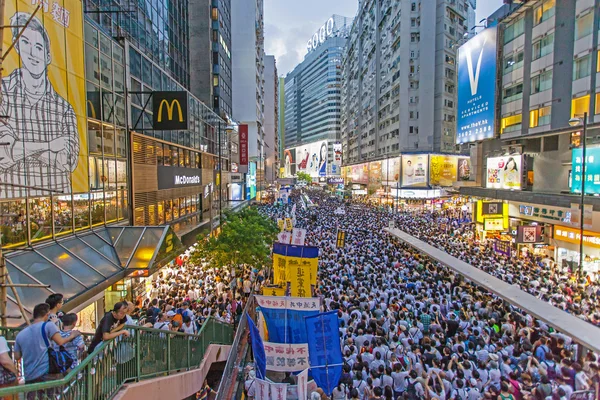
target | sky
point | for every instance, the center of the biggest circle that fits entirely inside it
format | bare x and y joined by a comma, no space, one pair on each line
289,25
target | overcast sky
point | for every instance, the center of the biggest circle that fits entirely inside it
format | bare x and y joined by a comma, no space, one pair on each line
289,25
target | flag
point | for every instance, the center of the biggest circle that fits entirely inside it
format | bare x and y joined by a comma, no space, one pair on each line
285,317
324,350
261,391
260,360
278,391
302,381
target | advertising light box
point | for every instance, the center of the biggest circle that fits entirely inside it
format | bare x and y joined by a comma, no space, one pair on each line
504,172
592,170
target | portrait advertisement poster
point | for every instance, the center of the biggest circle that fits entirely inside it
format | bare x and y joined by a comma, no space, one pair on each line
336,166
414,170
375,174
284,317
464,169
477,87
43,100
504,172
312,159
442,170
390,171
359,173
289,163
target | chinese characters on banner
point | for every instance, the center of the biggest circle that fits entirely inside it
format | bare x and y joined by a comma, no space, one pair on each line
288,224
284,317
298,236
284,237
302,381
261,391
280,223
502,247
286,357
278,391
243,131
297,265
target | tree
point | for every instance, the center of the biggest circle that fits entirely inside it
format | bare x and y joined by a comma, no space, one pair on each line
246,238
304,177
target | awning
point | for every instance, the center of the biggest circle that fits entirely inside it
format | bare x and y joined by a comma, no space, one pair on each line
82,265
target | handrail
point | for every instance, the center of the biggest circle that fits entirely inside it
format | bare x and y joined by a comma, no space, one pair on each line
145,354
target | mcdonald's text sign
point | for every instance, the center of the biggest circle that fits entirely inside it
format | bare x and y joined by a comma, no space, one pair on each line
170,110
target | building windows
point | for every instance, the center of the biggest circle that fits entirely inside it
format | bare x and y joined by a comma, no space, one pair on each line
543,46
540,117
544,11
597,110
582,67
511,124
513,62
541,82
580,105
513,93
514,30
215,80
584,25
415,37
448,103
215,14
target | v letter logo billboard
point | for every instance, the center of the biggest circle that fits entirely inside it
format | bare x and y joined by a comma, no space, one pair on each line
474,75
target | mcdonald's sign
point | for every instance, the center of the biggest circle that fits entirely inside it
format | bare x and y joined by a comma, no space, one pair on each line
170,110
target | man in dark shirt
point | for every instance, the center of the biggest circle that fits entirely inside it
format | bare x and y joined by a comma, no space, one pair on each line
111,325
451,326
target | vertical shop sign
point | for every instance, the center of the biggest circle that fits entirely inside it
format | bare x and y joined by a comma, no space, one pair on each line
243,133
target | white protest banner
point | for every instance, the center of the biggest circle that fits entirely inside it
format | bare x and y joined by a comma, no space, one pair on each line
298,236
279,391
286,357
291,303
284,237
302,381
261,391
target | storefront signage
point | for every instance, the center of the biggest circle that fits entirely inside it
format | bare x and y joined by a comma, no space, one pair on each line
243,133
592,170
572,235
493,224
170,110
540,213
236,177
319,37
335,181
175,177
485,210
529,234
502,247
417,194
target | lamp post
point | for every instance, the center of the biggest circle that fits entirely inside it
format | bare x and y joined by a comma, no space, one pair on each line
578,122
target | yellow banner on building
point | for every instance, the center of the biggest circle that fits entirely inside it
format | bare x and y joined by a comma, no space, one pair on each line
43,99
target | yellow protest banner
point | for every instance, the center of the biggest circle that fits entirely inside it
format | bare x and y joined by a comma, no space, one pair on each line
273,291
280,223
279,269
299,276
289,226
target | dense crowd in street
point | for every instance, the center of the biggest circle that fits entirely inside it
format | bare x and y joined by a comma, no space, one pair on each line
411,328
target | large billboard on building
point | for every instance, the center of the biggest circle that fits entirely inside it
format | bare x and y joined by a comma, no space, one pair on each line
505,172
390,171
251,181
358,173
312,159
289,163
43,100
442,170
592,170
477,87
414,170
336,165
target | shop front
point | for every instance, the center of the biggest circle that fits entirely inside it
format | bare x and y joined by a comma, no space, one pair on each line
491,219
567,243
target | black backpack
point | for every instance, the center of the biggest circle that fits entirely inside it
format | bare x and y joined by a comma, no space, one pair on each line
151,315
411,390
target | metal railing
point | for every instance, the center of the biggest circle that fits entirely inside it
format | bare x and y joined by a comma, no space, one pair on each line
145,354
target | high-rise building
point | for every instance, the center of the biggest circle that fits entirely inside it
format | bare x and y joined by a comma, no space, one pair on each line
399,78
248,68
210,53
271,120
281,118
312,89
471,14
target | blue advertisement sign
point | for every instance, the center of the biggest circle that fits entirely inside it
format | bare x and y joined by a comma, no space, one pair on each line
477,88
324,350
592,170
251,181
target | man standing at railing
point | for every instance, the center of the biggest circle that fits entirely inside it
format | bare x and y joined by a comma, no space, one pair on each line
31,347
111,326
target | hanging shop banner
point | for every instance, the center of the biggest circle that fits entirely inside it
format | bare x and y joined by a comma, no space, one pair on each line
502,247
336,166
298,236
529,234
414,170
243,138
324,350
258,349
477,60
284,317
375,174
283,357
43,100
442,170
505,172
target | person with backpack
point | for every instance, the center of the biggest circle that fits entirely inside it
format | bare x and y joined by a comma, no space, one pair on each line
414,390
152,312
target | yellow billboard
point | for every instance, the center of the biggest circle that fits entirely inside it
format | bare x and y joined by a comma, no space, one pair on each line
43,99
442,170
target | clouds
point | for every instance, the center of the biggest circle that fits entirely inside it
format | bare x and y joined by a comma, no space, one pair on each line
290,24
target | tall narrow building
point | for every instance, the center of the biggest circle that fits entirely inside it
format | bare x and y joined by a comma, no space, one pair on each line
399,78
271,120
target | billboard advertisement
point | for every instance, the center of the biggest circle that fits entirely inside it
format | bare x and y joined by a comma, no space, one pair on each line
251,181
504,172
442,170
312,159
289,163
336,165
43,100
375,174
592,170
390,171
358,173
477,87
414,170
464,169
243,134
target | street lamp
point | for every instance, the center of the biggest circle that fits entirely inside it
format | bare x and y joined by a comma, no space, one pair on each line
579,122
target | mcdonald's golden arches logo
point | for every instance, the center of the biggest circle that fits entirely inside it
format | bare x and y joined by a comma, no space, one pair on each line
170,110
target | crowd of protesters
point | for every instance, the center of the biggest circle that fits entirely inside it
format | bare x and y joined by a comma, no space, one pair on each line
413,329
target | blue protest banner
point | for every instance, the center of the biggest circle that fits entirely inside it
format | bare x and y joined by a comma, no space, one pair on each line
258,349
284,317
324,351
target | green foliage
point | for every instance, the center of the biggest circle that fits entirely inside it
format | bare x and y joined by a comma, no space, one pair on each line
246,238
304,177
